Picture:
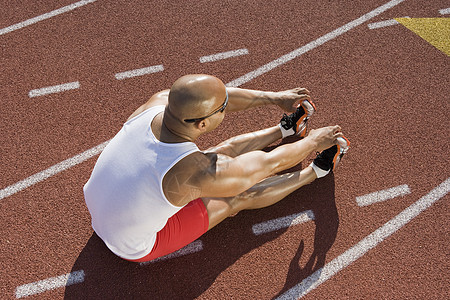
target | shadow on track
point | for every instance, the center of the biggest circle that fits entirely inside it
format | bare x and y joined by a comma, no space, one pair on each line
327,223
188,277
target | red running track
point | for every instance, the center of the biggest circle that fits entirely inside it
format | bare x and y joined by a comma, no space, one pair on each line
386,87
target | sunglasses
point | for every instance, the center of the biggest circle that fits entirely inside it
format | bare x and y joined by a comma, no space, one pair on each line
220,109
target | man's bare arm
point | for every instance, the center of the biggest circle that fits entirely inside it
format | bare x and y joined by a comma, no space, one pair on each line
226,176
248,142
242,99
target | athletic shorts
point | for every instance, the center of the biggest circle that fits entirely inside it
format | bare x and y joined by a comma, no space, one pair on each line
187,225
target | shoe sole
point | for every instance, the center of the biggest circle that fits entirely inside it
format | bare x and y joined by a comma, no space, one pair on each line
309,108
343,144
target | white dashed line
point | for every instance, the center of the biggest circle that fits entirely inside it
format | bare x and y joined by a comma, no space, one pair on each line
383,195
283,222
382,24
444,11
139,72
53,170
312,45
195,246
54,89
368,243
45,16
223,55
49,284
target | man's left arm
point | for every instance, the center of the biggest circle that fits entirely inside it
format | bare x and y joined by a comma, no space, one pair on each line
242,99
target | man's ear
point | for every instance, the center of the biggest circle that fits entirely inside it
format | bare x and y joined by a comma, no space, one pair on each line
202,125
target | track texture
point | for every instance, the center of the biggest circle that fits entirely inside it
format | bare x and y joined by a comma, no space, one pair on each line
386,87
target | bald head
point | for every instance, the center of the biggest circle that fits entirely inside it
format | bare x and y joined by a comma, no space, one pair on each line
194,96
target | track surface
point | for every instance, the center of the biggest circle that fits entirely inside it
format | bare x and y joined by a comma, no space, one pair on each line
386,87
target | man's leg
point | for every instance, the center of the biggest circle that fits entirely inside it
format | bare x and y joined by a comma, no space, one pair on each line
273,189
265,193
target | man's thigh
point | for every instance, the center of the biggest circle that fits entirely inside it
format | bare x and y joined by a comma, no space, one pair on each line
221,208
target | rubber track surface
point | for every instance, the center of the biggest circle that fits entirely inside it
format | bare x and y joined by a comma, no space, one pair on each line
387,88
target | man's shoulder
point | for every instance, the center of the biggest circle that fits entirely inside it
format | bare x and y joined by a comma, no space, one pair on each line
195,162
195,168
182,183
160,98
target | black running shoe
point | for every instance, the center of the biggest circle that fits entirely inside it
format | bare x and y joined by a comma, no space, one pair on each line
328,159
297,120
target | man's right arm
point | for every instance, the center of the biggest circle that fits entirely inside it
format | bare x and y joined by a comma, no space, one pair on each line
219,175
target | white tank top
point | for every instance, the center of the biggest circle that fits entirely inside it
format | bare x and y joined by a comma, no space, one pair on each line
124,194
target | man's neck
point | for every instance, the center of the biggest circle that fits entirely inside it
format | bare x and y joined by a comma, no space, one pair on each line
166,134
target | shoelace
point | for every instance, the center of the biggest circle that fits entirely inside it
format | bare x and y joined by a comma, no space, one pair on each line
297,113
326,157
289,121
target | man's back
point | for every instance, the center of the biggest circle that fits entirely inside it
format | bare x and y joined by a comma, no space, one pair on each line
124,194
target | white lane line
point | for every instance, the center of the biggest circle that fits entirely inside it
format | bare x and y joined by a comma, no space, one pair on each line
444,11
54,89
284,59
53,170
383,195
195,246
223,55
382,24
312,45
45,16
139,72
49,284
283,222
368,243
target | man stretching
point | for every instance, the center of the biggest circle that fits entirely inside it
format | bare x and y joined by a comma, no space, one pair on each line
152,191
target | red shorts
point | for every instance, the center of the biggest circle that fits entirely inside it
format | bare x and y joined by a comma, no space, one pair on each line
181,229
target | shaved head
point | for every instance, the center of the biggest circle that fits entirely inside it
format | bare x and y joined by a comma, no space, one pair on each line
194,96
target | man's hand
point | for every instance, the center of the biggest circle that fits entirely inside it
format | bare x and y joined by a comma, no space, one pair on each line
325,137
286,100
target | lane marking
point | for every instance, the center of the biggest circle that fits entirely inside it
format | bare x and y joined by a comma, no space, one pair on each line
435,31
195,246
223,55
139,72
444,11
312,45
383,195
53,170
382,24
45,16
368,243
49,284
286,58
283,222
54,89
78,276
